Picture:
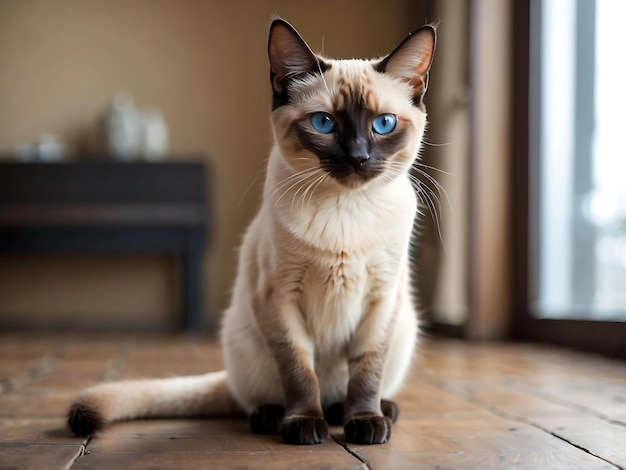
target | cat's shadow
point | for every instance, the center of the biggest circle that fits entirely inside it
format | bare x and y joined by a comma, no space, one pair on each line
236,426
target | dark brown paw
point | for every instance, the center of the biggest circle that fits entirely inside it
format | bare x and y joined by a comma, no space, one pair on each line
368,429
334,414
267,419
304,430
389,409
84,419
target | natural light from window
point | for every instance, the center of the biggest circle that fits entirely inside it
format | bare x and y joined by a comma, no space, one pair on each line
582,161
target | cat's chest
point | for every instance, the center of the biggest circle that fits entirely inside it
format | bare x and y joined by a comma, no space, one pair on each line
340,277
346,250
354,222
337,291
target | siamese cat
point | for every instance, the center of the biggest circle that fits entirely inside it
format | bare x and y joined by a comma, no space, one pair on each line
322,326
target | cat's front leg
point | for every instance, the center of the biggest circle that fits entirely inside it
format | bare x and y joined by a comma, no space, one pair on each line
293,352
364,420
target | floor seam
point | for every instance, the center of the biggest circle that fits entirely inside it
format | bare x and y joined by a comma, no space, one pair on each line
82,450
581,448
351,452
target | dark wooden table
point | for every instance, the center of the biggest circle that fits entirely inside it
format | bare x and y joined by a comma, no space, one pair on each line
110,206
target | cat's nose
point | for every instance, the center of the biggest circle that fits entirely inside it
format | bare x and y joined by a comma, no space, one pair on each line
357,153
357,161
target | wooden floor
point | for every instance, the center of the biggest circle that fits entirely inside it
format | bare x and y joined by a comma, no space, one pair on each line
465,406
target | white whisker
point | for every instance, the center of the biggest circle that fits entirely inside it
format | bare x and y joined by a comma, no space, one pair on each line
300,188
423,193
439,187
310,188
295,179
256,177
319,67
432,144
290,178
423,165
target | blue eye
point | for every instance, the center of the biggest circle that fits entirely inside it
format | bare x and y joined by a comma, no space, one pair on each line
323,122
384,124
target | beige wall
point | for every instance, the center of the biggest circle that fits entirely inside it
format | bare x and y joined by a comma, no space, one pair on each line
204,64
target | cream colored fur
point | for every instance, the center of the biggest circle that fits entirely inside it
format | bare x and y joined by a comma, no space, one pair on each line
334,259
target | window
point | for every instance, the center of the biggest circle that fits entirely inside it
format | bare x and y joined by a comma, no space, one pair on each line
569,174
581,164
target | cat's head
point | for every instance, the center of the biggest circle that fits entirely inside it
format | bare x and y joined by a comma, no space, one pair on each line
355,120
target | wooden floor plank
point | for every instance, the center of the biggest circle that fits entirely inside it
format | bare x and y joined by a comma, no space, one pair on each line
484,461
37,404
598,436
472,438
193,435
312,459
40,431
35,443
218,440
34,456
465,405
558,398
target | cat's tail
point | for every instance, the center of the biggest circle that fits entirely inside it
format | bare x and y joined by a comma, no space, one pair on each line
193,396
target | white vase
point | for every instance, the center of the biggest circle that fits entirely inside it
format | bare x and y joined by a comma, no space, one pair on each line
122,129
155,137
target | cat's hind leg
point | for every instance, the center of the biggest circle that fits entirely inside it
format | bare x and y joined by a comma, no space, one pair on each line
267,419
389,409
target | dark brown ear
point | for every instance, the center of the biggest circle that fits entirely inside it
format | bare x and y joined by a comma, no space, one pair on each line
290,58
411,60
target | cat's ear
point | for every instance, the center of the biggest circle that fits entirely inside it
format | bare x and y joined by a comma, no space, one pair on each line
411,60
290,57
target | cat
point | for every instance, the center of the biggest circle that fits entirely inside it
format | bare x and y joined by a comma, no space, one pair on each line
322,326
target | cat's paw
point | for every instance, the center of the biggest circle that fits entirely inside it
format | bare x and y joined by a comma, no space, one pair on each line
266,419
368,429
304,430
334,413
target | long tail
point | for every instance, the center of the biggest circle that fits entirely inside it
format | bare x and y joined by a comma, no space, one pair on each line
199,395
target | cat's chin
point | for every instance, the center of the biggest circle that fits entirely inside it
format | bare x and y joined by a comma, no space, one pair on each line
353,181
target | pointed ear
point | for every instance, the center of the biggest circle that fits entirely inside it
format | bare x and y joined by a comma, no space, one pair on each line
411,60
290,57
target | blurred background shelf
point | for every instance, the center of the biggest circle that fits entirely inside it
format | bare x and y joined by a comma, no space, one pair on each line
107,207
